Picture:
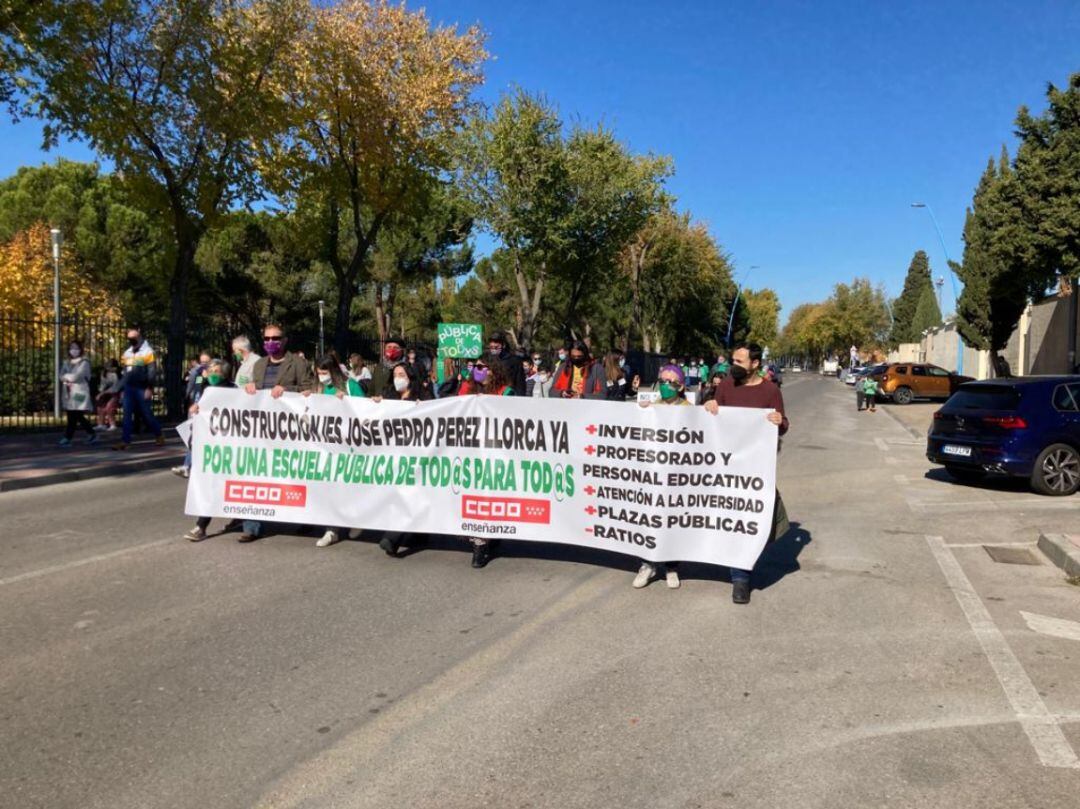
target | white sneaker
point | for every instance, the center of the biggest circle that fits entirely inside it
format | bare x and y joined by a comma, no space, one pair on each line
644,575
179,471
354,533
111,428
196,534
672,579
327,539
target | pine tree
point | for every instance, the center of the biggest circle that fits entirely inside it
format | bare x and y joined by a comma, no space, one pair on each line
917,280
927,313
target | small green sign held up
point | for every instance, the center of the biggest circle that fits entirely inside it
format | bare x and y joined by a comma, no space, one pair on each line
461,340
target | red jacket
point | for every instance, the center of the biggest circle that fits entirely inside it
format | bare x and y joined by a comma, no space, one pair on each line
595,384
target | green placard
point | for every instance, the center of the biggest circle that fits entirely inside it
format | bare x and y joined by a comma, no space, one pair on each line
461,340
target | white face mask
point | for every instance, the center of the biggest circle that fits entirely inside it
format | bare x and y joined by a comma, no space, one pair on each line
400,384
622,363
562,355
74,352
544,376
324,379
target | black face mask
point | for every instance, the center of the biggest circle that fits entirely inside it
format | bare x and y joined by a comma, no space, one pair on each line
578,361
738,373
134,341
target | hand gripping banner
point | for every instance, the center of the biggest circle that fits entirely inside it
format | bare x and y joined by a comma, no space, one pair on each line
660,483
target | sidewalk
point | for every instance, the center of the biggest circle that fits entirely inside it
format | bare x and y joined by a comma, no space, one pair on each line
31,460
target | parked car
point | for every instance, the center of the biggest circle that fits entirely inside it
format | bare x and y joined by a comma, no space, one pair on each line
796,369
860,373
1026,427
903,382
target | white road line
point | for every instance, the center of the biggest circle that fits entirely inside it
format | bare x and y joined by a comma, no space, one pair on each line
101,557
1039,724
1057,627
881,443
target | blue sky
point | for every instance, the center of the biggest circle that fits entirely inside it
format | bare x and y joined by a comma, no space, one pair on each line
801,131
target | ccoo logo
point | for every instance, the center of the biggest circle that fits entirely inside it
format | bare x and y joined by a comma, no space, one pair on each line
265,494
506,509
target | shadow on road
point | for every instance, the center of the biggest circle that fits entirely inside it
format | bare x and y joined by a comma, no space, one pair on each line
994,483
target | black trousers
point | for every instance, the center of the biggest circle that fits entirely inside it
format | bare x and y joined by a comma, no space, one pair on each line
76,419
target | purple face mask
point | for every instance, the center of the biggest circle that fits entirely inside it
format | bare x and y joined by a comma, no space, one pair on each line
480,375
273,347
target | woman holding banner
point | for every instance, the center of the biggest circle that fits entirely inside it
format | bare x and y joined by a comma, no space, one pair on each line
332,381
218,373
490,376
672,385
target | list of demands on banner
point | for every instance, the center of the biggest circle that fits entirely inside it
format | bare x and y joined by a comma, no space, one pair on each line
660,483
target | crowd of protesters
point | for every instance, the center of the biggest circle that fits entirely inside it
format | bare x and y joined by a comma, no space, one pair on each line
404,374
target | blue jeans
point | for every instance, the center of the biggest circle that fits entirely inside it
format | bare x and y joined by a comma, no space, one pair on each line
135,397
253,527
739,575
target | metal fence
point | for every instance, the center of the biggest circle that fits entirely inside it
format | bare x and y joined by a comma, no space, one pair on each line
27,378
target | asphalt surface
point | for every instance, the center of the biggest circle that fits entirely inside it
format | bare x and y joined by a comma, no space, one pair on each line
885,660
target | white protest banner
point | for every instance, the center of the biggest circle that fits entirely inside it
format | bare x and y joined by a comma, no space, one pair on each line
662,483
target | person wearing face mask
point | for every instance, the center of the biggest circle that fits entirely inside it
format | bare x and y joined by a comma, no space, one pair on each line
615,377
499,350
244,359
75,394
672,386
406,386
581,377
195,378
745,387
217,376
280,371
330,380
381,383
491,377
542,382
140,376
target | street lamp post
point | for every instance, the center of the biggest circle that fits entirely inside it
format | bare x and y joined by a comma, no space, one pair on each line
322,349
735,305
952,277
57,240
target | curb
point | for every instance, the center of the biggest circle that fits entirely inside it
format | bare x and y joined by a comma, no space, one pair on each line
1062,552
89,473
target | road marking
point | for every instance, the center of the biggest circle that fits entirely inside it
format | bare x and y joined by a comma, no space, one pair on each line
1057,627
1039,724
881,443
101,557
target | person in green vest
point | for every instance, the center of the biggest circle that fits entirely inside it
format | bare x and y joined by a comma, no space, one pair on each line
870,391
722,366
331,380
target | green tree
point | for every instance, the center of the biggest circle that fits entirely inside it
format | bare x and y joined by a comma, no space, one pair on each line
916,281
927,313
764,312
375,94
512,169
114,244
1047,168
175,93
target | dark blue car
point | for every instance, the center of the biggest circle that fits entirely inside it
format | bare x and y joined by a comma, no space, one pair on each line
1026,427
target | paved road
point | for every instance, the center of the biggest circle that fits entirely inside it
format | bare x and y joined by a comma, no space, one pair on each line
885,663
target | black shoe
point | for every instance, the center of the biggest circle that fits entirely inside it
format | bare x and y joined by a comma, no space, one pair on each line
480,555
740,592
389,546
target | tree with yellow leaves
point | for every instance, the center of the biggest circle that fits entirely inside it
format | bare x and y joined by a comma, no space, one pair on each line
376,93
26,287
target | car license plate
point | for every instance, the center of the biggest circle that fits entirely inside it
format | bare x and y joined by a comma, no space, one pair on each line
952,449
